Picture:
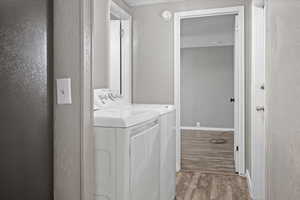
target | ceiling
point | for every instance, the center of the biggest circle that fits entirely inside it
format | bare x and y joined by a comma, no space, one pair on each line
145,2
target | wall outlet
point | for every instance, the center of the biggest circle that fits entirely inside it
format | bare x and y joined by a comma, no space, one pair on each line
198,124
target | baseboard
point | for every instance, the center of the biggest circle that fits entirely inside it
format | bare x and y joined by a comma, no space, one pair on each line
205,128
249,182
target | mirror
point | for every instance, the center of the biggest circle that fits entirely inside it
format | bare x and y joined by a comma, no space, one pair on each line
119,51
112,50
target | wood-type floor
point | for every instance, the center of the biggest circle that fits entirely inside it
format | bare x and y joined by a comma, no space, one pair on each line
211,186
200,154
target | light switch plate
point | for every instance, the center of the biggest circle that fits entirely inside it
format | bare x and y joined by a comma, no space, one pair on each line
63,87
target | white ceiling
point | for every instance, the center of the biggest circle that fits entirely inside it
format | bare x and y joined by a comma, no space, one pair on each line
145,2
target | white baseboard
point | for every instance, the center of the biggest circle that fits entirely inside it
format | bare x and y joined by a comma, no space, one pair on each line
249,182
205,128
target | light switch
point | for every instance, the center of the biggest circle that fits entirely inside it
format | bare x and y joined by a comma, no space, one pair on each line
63,87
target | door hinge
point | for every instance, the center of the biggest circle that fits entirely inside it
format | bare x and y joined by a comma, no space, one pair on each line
237,148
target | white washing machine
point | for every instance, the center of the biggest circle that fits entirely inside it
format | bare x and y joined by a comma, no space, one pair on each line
134,151
127,154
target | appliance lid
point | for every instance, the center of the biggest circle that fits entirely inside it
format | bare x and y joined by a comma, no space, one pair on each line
122,117
161,108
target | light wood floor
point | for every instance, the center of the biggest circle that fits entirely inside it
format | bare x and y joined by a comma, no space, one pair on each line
198,153
211,186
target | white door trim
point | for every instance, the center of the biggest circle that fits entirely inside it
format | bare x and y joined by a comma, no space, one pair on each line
258,140
86,99
240,80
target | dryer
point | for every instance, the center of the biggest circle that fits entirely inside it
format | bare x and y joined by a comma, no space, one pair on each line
127,152
135,152
167,148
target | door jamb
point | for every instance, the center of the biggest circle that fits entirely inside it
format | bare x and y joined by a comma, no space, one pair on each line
258,173
86,99
239,94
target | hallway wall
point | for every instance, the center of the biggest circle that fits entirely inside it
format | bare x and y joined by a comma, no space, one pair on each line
283,100
207,84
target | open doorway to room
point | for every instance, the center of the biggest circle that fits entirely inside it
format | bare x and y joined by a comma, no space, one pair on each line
209,90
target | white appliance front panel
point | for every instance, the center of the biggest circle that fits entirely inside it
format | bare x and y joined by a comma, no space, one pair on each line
145,165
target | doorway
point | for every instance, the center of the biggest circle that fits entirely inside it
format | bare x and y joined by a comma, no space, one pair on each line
188,48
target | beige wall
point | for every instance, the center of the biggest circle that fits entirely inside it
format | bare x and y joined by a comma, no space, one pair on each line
101,41
283,100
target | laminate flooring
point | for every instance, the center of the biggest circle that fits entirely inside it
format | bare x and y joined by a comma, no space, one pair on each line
201,154
211,186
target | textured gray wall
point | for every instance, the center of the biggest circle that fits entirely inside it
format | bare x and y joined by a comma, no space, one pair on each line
67,124
283,100
207,84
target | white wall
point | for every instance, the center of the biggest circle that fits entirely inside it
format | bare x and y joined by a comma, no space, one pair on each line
207,84
283,100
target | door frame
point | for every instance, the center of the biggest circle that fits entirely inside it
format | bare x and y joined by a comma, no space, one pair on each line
86,102
239,109
258,144
87,180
